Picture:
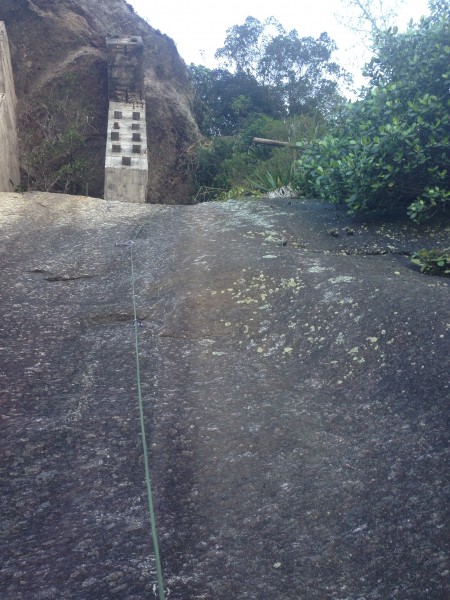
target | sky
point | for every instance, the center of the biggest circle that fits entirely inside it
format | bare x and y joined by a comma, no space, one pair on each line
198,27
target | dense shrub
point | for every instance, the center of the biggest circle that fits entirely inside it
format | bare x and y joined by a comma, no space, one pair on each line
53,135
433,262
391,149
221,164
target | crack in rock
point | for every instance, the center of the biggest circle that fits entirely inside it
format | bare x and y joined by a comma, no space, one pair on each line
67,277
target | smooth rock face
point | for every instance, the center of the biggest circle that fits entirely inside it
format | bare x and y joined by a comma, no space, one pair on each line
295,396
54,39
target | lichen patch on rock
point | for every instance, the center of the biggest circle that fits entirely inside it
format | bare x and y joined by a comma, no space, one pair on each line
295,407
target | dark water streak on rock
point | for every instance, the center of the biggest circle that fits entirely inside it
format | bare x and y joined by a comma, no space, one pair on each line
296,403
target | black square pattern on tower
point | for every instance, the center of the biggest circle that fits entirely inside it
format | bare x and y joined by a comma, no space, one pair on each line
126,160
136,137
114,135
137,148
136,116
116,148
117,114
135,126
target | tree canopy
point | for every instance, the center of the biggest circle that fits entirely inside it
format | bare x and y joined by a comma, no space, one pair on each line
386,152
265,70
224,101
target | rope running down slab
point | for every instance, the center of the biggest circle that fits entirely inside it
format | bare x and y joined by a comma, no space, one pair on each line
136,323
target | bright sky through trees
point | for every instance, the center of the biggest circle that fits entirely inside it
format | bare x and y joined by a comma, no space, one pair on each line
198,27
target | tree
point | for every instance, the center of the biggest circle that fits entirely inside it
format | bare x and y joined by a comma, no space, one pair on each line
299,71
245,44
369,18
270,83
392,148
225,101
302,72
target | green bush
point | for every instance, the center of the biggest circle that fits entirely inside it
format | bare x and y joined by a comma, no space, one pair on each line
53,135
207,157
391,149
221,164
276,172
433,262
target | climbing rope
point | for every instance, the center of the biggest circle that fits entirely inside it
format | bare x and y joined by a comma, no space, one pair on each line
137,323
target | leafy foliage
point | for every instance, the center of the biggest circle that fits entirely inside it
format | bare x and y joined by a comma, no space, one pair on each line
367,19
244,44
433,262
301,71
275,179
272,84
233,162
391,149
53,136
267,71
224,102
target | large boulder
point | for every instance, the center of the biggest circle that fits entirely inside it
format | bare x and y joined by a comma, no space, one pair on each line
53,39
294,372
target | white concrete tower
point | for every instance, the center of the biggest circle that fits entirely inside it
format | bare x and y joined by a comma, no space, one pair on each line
9,155
126,166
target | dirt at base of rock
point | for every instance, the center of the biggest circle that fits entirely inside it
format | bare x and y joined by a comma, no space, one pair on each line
295,396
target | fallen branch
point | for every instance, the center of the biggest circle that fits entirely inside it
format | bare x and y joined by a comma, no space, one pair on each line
257,140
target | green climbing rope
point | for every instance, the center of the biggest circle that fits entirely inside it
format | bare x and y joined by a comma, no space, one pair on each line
159,574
